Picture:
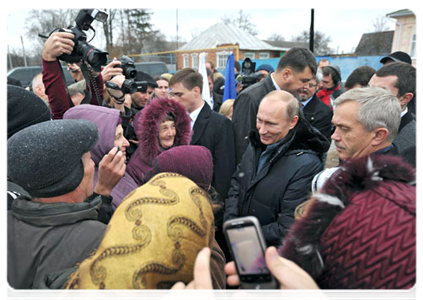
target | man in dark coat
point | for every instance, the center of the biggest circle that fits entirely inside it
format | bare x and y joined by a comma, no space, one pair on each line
400,79
315,111
211,130
294,71
276,171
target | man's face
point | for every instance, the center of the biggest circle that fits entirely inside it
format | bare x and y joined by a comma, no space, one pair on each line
295,82
140,99
162,91
211,85
264,72
308,91
350,137
327,82
87,183
186,97
271,123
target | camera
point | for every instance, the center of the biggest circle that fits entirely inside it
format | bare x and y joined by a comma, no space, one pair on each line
128,67
248,76
82,49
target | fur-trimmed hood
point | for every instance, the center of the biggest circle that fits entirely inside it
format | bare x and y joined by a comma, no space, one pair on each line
147,126
359,230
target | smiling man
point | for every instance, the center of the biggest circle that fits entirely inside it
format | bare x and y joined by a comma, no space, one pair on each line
275,173
294,71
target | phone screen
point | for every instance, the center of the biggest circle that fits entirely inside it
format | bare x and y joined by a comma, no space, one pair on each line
247,250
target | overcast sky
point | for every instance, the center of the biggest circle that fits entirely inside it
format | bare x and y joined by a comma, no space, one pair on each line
344,26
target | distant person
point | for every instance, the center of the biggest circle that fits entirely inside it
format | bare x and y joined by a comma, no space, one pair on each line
398,56
215,98
360,77
265,69
162,89
38,88
227,108
331,85
295,69
323,62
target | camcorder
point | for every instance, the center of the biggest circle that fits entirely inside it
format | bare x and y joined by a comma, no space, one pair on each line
248,76
82,49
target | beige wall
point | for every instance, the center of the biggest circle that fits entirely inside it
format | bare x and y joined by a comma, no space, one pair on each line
404,30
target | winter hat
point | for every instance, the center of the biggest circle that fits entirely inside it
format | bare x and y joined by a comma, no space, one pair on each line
265,67
194,162
359,232
24,109
398,56
46,159
152,239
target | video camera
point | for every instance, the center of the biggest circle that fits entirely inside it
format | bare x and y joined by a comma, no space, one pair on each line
248,76
82,49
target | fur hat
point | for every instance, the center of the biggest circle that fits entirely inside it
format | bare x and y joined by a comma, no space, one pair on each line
45,158
152,239
24,109
360,230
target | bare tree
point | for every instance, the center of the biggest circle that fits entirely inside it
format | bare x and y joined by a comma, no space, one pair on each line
321,41
380,24
276,37
243,21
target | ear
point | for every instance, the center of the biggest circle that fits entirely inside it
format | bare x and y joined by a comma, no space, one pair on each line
379,136
196,91
293,122
404,99
286,73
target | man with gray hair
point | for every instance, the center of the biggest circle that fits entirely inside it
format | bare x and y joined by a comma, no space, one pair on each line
275,173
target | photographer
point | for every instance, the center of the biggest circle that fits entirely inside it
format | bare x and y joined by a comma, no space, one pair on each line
57,44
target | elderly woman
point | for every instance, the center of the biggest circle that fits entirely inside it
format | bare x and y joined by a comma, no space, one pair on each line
161,125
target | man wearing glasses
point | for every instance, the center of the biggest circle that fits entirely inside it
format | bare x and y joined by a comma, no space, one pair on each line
315,111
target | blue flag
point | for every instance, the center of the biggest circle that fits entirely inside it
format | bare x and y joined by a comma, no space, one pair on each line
230,91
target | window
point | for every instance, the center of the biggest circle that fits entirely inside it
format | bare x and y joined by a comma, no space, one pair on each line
222,58
413,46
250,55
264,55
186,60
194,59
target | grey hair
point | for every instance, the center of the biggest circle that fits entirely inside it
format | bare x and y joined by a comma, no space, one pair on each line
379,108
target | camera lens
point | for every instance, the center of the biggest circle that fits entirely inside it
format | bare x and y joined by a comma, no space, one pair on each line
93,56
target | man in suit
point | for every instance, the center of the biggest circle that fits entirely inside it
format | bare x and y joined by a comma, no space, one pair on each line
294,71
215,98
315,111
400,79
211,130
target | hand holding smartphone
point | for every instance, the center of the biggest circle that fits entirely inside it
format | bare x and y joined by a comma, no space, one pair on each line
247,246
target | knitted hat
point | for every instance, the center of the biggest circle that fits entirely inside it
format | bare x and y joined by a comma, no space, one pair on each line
398,56
24,109
152,239
45,159
194,162
360,230
141,76
265,67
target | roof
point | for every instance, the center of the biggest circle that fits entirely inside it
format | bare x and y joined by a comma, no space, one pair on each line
224,34
400,13
375,43
287,45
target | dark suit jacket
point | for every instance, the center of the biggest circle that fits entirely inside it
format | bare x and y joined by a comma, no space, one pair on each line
215,132
217,101
319,115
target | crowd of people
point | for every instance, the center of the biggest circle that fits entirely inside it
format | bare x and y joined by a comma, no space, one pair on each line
109,189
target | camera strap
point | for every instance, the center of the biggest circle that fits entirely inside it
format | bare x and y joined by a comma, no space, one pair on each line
88,80
66,86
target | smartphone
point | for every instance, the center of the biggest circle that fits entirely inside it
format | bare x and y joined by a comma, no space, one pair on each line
247,247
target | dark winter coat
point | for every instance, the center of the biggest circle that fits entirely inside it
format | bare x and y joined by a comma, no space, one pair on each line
147,127
282,184
319,115
44,238
359,232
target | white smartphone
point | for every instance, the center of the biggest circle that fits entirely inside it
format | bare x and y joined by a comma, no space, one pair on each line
247,246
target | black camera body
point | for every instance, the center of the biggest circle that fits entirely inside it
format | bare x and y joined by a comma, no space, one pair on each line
128,67
82,49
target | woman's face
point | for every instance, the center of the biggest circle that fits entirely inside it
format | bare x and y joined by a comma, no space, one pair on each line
120,140
167,134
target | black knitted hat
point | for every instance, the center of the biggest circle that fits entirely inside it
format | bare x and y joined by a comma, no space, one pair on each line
46,158
24,108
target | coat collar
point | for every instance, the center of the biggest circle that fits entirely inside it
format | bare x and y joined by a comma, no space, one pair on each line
201,123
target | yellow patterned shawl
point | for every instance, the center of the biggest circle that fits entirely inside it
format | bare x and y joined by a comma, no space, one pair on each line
152,239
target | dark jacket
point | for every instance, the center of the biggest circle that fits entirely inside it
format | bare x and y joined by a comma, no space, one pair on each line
405,141
217,101
215,132
282,184
44,238
147,127
245,112
319,115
